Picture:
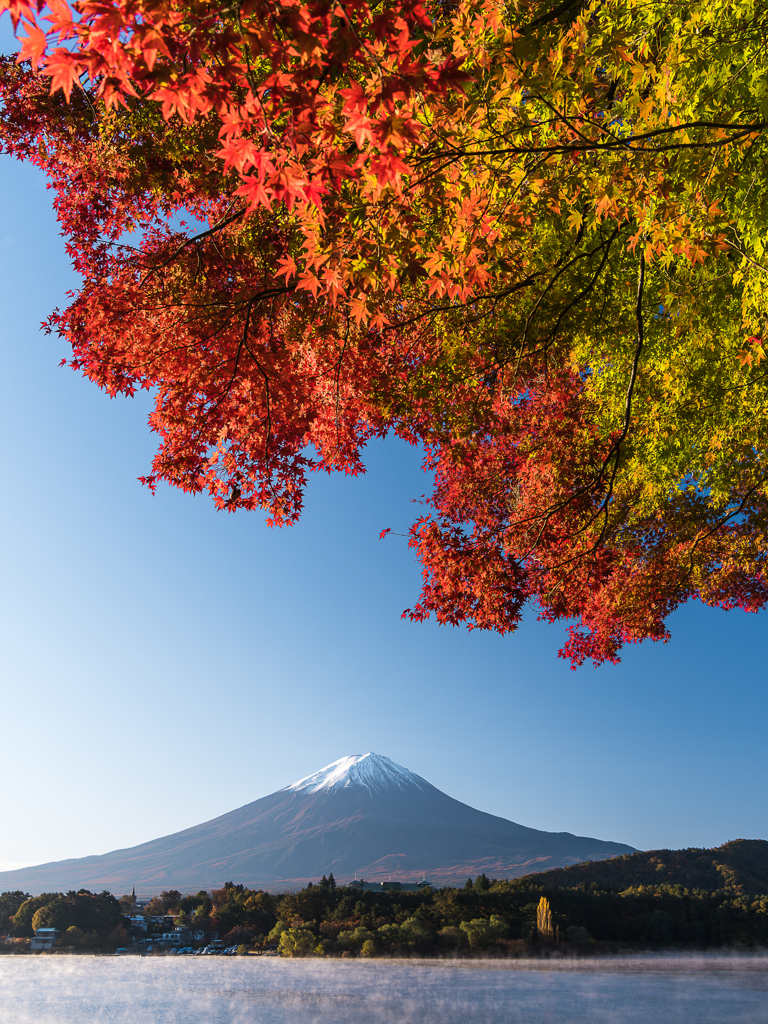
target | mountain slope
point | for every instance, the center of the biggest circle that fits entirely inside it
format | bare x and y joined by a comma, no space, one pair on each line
363,815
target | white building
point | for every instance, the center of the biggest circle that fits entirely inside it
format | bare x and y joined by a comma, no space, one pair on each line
44,938
364,886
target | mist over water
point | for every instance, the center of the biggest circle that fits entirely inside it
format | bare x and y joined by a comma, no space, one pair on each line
208,990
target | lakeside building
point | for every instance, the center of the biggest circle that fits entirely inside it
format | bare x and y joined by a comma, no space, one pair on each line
178,938
44,938
364,886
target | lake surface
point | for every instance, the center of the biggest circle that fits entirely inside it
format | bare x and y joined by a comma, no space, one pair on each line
259,990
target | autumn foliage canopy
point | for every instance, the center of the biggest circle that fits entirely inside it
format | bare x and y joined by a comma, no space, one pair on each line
527,237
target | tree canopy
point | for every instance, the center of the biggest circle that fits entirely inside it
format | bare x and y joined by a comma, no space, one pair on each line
527,237
90,912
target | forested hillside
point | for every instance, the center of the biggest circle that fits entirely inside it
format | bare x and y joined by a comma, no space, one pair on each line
741,864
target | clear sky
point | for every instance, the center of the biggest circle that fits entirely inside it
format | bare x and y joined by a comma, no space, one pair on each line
162,663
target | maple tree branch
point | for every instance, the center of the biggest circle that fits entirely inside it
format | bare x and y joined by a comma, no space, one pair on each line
636,360
544,19
745,256
561,117
264,374
616,143
495,297
614,451
489,297
586,290
628,402
703,536
738,387
243,343
190,241
249,72
548,288
337,370
87,100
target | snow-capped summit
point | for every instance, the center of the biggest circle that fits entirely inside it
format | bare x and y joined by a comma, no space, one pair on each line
373,772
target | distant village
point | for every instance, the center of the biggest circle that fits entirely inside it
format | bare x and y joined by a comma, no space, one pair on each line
170,923
161,931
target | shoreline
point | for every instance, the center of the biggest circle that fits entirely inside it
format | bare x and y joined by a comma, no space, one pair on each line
650,962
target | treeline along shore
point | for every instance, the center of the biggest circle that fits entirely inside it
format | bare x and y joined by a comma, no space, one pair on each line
693,899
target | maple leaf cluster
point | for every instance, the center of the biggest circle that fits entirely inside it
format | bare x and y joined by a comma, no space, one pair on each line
529,240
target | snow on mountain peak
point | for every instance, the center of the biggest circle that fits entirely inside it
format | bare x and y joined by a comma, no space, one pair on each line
373,772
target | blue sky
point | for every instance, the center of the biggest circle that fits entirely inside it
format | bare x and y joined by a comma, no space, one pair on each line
162,663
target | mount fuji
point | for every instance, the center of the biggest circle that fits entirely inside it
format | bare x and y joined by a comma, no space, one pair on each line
361,816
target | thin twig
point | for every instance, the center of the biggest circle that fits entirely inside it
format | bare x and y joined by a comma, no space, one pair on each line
189,241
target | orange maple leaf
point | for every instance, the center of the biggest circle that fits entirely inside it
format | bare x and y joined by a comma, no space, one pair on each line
33,45
253,190
60,18
64,71
286,267
309,282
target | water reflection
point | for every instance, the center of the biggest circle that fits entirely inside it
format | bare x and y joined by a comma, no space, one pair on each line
133,990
